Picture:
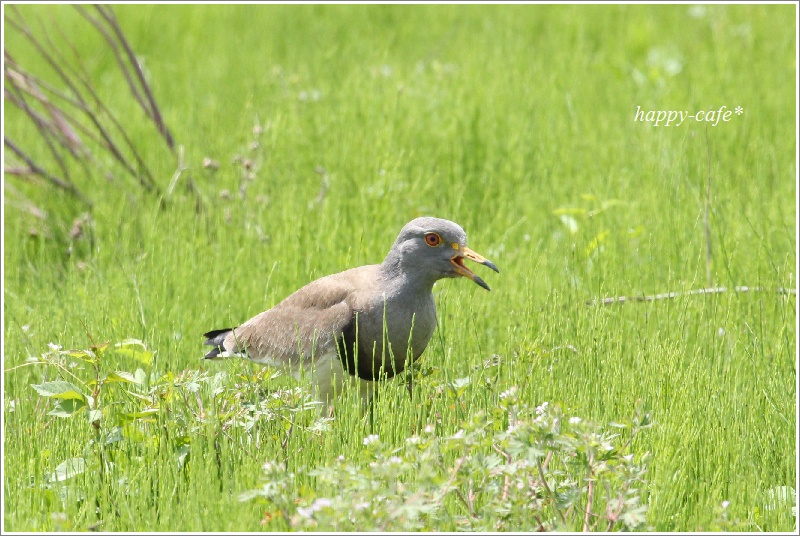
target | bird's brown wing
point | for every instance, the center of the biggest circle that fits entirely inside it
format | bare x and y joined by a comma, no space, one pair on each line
298,329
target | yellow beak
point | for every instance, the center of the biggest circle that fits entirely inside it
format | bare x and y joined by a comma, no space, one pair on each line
458,262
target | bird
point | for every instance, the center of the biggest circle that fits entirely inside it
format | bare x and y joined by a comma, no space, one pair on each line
362,325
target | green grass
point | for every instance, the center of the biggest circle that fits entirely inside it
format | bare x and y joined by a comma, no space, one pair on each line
509,120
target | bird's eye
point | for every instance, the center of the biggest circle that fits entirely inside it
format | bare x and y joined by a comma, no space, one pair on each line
433,239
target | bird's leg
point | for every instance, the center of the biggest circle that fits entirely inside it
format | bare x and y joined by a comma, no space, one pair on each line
410,381
372,411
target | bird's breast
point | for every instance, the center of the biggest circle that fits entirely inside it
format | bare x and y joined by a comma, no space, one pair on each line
386,336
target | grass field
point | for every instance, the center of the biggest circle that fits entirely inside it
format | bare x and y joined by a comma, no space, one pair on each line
517,122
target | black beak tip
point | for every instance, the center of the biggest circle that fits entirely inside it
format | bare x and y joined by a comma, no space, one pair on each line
481,282
491,265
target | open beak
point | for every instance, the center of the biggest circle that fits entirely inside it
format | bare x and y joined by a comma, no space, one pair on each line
466,253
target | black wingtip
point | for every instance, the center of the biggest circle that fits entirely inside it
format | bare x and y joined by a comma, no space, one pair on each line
213,353
216,338
213,334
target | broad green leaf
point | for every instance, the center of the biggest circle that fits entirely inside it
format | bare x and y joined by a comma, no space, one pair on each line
144,414
136,349
59,389
182,452
120,376
85,355
67,408
140,375
458,383
100,348
148,399
459,386
115,435
130,342
95,415
68,469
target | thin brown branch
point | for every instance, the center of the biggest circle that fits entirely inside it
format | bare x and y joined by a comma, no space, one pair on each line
67,137
467,503
200,405
713,290
589,499
446,487
42,124
547,460
507,480
57,67
115,49
550,492
53,91
82,129
24,84
614,515
156,114
74,142
82,76
35,168
81,104
177,175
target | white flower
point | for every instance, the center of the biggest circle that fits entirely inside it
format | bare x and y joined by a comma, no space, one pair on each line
396,460
54,347
372,438
509,393
429,429
725,504
270,466
541,409
305,512
321,503
574,420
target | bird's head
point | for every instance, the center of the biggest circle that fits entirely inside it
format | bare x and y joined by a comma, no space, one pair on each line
434,248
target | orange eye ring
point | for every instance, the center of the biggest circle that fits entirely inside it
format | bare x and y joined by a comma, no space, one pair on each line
433,239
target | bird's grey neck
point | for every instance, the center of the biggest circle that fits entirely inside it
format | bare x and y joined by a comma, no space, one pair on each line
404,278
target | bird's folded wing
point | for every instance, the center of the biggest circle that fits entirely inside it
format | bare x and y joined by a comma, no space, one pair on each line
298,329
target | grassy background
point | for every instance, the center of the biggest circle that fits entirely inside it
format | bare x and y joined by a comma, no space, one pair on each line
514,121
